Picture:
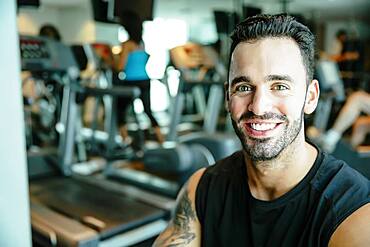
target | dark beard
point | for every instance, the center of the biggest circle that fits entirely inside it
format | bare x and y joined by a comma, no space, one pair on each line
268,148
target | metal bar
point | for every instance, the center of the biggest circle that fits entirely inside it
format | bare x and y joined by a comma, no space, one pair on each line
135,236
213,109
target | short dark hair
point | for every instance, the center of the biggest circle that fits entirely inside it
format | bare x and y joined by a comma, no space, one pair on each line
280,25
50,31
341,32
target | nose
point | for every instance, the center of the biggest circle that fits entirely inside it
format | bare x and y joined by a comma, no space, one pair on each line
261,102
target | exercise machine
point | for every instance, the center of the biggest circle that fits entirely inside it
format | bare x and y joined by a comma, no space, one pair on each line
332,92
72,210
98,97
167,167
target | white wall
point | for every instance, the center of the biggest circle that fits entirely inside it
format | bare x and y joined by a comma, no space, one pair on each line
107,33
15,227
199,16
75,24
30,19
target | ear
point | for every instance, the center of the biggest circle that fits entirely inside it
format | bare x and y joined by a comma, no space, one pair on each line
227,97
312,97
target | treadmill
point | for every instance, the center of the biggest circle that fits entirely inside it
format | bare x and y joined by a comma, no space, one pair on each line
73,210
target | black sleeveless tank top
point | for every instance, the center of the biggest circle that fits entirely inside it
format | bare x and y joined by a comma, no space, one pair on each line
305,216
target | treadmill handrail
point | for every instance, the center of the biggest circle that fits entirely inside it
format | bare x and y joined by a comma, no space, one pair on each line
45,231
115,91
68,231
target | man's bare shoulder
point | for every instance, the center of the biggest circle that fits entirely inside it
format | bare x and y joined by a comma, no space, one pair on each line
353,231
184,227
193,182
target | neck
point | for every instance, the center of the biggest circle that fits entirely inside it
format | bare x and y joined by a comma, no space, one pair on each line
271,179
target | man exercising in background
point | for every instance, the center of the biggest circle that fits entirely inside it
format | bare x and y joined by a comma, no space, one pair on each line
280,190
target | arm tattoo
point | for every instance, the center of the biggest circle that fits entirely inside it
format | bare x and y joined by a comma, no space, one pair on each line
182,233
184,213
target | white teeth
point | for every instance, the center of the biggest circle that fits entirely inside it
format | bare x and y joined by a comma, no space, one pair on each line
262,127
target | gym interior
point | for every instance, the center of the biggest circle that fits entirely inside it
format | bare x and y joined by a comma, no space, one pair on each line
76,170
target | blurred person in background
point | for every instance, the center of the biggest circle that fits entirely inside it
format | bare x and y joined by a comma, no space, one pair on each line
131,72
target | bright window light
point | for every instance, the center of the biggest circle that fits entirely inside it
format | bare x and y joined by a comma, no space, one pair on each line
158,96
159,36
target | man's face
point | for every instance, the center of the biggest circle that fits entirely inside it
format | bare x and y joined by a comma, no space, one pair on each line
267,89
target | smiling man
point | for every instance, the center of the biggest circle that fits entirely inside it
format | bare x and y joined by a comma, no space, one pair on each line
280,190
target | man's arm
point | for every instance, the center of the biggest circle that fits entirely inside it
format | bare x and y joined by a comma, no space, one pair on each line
184,227
353,231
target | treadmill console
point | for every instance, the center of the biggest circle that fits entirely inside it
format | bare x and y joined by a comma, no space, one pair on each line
43,54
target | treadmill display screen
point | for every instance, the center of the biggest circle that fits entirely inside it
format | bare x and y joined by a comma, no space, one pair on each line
33,49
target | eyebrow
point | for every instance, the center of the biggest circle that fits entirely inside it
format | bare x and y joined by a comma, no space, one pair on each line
247,79
240,79
278,78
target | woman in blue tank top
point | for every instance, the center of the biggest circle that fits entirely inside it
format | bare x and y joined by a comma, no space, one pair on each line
131,66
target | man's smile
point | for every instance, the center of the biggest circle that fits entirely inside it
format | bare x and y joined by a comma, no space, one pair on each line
261,129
